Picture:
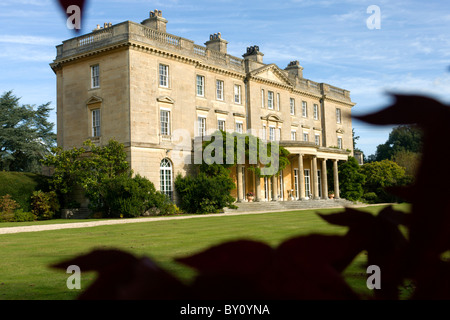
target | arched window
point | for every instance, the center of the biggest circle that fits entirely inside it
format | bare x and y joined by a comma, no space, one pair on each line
165,170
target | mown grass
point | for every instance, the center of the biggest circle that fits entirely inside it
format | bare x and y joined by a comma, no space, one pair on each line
25,272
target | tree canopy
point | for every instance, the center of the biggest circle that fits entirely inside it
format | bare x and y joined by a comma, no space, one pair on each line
405,138
26,135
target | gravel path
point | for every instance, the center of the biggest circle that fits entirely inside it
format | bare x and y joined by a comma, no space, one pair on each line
89,224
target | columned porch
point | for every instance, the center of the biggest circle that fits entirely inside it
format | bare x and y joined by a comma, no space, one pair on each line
305,178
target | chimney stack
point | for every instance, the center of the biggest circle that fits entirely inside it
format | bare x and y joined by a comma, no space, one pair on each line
216,43
156,21
294,69
253,54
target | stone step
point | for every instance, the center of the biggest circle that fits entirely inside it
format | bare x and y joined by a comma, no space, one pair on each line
267,206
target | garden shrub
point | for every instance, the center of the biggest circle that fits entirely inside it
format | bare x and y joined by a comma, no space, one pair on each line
370,197
204,193
7,207
22,216
44,205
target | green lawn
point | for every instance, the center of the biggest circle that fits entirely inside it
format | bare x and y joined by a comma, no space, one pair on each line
25,257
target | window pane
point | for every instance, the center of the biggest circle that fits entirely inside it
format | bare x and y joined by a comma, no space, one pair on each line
96,123
163,75
219,87
200,85
95,76
237,94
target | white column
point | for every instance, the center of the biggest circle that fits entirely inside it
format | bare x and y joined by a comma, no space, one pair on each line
301,178
315,179
324,180
274,187
239,184
336,179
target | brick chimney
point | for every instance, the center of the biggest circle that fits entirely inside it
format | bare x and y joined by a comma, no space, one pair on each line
217,43
294,69
156,21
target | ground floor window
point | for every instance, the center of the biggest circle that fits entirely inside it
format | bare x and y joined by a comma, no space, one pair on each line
166,178
297,196
307,184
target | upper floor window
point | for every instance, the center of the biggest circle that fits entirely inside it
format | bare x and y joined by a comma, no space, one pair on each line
201,123
272,133
305,136
262,98
201,86
219,90
339,142
338,115
163,75
304,109
95,76
239,127
270,100
165,122
278,101
316,112
292,105
237,94
96,123
264,132
221,124
293,135
317,139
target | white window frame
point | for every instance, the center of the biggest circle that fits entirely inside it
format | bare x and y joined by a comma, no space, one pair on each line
305,136
272,133
270,100
239,127
201,126
316,111
262,98
278,101
219,122
340,143
163,75
165,130
237,94
292,106
166,177
200,86
317,139
95,76
307,177
293,135
338,115
264,132
96,122
304,109
219,90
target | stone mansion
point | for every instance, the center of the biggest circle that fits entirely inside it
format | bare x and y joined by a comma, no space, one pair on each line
138,84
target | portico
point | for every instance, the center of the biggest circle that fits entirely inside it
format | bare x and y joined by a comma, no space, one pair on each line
305,178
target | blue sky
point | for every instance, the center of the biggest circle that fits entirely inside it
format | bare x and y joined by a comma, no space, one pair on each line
410,53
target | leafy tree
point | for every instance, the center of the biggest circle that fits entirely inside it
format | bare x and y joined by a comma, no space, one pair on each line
380,175
402,138
88,167
351,180
26,136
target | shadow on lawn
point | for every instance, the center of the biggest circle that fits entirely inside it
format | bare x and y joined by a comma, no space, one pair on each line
311,267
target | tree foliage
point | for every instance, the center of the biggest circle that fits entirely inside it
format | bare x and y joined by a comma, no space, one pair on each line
351,180
26,135
88,167
402,138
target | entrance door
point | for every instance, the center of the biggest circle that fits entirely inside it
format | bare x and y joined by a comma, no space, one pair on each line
281,187
307,184
266,188
319,183
296,184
